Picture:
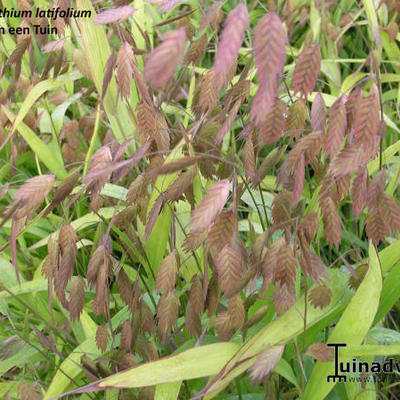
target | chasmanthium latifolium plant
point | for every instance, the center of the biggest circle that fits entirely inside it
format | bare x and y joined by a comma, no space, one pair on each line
234,186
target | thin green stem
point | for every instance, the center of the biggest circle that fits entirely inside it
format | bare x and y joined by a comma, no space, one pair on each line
190,99
264,206
92,141
254,201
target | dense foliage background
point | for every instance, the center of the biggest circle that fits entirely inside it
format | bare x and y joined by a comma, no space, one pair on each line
200,194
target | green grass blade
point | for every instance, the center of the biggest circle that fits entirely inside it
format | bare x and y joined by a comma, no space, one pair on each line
43,151
97,49
70,368
168,391
194,363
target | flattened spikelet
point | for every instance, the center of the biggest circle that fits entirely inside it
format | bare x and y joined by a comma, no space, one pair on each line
269,263
66,187
343,185
352,104
147,323
101,299
53,46
100,161
153,215
162,134
67,237
16,56
4,190
194,240
102,337
366,121
224,327
389,210
281,207
211,15
312,266
348,160
249,159
27,392
124,219
309,226
196,295
318,113
270,39
264,98
77,298
255,318
168,5
298,179
321,352
180,185
173,166
50,265
229,266
375,188
296,119
95,262
208,92
236,311
306,70
308,145
269,162
146,120
126,335
141,85
165,58
32,194
376,228
226,127
167,273
336,128
331,220
136,189
125,287
212,296
114,15
125,60
284,297
192,321
359,191
210,206
108,73
224,78
167,311
197,49
274,124
329,189
184,21
320,296
285,270
265,363
127,361
357,276
239,91
231,38
222,230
